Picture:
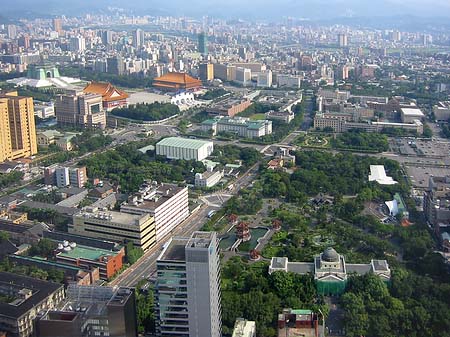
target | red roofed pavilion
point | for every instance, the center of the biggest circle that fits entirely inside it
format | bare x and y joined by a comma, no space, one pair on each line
176,81
111,96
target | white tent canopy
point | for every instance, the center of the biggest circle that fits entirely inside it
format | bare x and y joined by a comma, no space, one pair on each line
378,174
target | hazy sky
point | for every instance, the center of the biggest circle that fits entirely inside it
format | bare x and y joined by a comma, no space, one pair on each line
315,9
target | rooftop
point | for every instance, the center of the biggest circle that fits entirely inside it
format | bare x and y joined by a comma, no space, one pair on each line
194,144
412,112
40,291
87,253
178,78
107,90
174,250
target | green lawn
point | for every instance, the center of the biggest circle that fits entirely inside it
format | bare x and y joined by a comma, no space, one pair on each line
258,116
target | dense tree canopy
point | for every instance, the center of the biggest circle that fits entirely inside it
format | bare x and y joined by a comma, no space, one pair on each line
361,141
147,112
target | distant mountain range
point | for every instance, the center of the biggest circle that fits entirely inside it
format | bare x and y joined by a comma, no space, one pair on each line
317,10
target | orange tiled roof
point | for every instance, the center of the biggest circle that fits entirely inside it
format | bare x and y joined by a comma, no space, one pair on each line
178,78
107,90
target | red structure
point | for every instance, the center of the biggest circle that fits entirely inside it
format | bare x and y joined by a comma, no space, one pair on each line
276,224
254,255
243,232
111,96
233,218
176,81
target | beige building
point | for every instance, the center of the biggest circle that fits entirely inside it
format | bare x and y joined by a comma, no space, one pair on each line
206,72
85,110
115,226
17,128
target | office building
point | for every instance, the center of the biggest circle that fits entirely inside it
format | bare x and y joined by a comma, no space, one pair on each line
437,202
77,44
168,204
203,43
65,176
184,148
224,72
243,127
115,226
138,38
409,115
107,37
187,290
265,79
289,81
17,128
330,270
206,72
84,110
243,76
26,297
115,65
442,111
108,262
91,311
57,26
229,106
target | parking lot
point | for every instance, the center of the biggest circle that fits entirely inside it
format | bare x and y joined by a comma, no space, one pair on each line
420,175
418,147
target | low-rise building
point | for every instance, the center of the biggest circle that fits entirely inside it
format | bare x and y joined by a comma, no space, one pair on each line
330,270
229,106
115,226
244,328
209,178
91,311
243,127
442,111
64,176
26,297
284,116
168,204
109,262
409,115
299,322
184,148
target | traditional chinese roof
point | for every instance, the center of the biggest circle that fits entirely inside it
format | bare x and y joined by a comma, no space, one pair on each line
176,79
109,92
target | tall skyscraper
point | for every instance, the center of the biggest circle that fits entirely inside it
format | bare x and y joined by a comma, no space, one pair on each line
107,37
116,65
206,71
57,25
203,43
138,38
187,296
17,128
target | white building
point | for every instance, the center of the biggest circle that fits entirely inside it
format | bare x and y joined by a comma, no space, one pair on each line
265,79
409,115
187,290
184,148
442,111
62,177
378,174
167,203
44,110
243,76
209,178
244,328
243,127
289,81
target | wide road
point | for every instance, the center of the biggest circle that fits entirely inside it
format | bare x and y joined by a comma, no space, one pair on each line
145,267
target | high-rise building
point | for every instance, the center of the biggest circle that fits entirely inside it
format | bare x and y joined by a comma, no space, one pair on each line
78,43
138,38
107,37
206,72
57,25
265,79
343,40
17,128
12,31
85,110
187,291
203,44
243,76
116,65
